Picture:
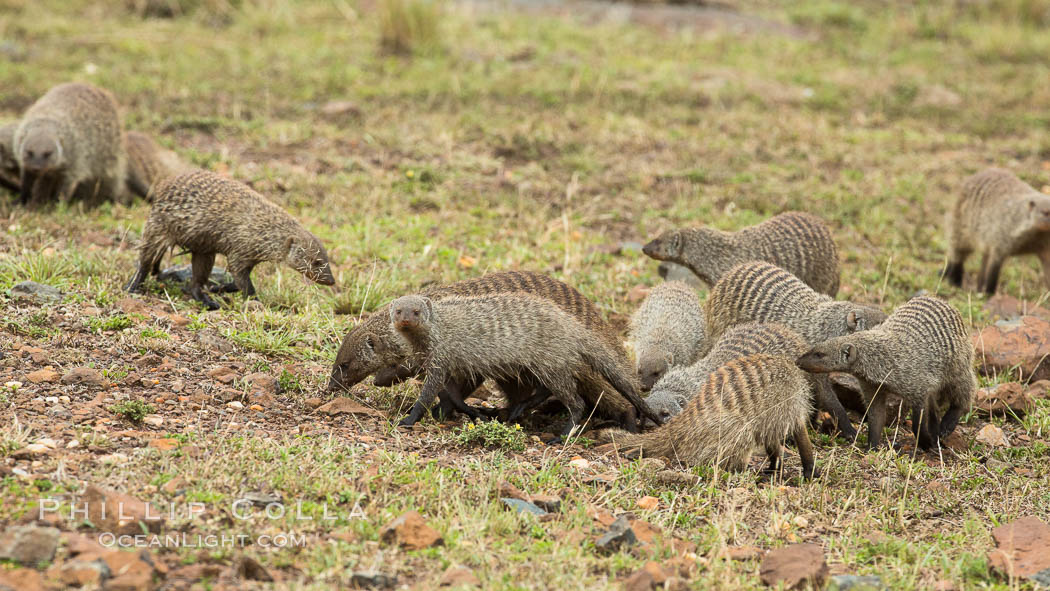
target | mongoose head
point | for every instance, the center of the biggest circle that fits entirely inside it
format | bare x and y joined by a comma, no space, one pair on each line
410,314
833,355
665,404
666,247
365,351
652,366
1039,212
41,149
306,254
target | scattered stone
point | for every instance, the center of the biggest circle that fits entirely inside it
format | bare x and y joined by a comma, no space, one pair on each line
183,274
640,581
1011,400
83,573
1022,343
411,532
648,503
1007,307
173,486
21,579
637,293
549,503
313,402
36,449
1022,549
164,443
235,404
263,382
48,442
457,576
619,535
40,376
153,420
344,405
83,376
118,513
249,569
993,436
35,292
855,583
795,567
341,111
507,489
372,580
523,506
676,477
580,464
29,545
260,499
79,544
742,552
223,375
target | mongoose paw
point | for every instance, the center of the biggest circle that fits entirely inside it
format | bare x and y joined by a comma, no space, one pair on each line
814,473
406,422
633,454
223,287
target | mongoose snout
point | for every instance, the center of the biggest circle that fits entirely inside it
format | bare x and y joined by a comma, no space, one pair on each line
41,153
813,362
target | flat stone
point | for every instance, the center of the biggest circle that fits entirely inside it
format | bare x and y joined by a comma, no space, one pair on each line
619,535
993,436
795,567
410,531
1007,307
1023,343
183,274
223,375
1010,399
675,272
522,506
249,569
855,583
40,376
1022,548
119,513
459,576
83,376
35,292
21,579
344,405
372,580
83,573
549,503
29,544
263,382
742,552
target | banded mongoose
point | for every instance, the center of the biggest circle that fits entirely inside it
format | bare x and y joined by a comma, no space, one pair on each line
670,395
921,353
373,347
998,216
207,214
667,331
762,292
71,141
796,241
465,340
148,164
754,401
9,171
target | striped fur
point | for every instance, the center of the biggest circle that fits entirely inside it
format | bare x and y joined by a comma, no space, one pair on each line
997,216
749,402
798,242
761,292
667,331
922,353
9,174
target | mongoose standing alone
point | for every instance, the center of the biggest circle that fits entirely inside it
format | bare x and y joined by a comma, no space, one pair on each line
9,171
921,353
373,347
207,214
503,336
71,141
758,400
998,216
799,242
667,331
670,395
148,164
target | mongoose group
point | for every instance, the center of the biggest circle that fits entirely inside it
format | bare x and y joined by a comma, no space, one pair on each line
744,369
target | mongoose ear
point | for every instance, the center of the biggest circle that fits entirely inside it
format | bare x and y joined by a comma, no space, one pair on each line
852,321
1031,205
430,308
849,353
288,243
676,243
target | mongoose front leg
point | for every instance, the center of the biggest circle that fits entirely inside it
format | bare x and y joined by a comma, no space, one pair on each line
65,190
432,388
242,275
953,272
455,392
135,285
827,400
539,397
959,397
1044,258
28,180
876,412
774,452
202,264
920,427
805,453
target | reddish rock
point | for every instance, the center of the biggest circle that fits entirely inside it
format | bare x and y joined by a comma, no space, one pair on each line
640,581
1024,343
313,402
119,513
81,573
341,110
29,544
343,405
164,443
993,436
223,375
1005,307
507,489
1005,400
130,582
459,576
1038,390
1022,548
43,375
83,376
263,382
411,532
133,306
742,552
79,544
21,579
795,567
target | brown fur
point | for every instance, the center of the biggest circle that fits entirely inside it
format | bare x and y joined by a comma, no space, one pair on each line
148,164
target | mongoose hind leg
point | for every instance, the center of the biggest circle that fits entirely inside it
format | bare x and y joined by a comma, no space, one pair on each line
202,264
953,270
774,452
991,265
805,453
455,392
242,275
920,427
959,396
564,390
434,384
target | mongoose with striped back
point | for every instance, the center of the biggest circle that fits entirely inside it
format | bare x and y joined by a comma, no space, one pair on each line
796,241
71,142
670,395
206,215
9,171
465,340
374,347
997,216
921,353
148,164
754,401
667,331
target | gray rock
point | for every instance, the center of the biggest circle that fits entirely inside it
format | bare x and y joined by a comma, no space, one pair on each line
35,292
675,272
522,506
83,376
183,274
619,535
1041,578
855,583
372,580
29,544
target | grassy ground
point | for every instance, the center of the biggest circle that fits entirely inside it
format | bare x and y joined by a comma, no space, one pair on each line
534,141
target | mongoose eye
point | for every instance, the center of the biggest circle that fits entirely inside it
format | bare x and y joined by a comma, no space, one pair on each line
46,154
30,153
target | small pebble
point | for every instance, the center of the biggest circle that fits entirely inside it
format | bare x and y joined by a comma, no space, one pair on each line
236,404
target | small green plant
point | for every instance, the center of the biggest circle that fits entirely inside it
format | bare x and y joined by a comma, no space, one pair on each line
153,333
289,382
408,26
132,410
117,322
491,434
